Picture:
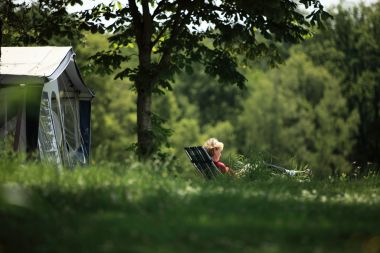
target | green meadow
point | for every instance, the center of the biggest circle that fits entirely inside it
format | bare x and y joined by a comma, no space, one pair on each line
318,109
135,207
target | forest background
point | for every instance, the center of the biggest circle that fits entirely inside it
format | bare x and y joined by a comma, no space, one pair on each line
319,109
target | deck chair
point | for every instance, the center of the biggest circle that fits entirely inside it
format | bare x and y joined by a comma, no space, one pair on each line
202,162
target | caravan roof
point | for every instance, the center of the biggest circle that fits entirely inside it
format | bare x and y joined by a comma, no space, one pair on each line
38,65
32,61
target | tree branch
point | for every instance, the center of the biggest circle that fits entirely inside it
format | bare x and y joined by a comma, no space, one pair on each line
178,25
160,34
136,20
145,48
147,23
146,11
162,6
158,8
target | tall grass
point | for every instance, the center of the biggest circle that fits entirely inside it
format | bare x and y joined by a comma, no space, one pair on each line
154,207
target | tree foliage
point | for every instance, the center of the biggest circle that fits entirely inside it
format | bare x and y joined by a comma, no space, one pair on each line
299,112
214,101
37,22
171,35
352,43
113,108
320,109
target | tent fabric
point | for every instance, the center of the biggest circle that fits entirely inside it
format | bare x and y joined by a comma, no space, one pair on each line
39,65
32,61
46,83
47,141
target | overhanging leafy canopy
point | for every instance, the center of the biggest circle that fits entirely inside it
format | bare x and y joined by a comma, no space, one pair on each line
36,22
171,34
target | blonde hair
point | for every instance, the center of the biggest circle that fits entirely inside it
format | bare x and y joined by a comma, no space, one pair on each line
212,144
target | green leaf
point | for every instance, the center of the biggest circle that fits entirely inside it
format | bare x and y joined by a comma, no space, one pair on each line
189,70
119,5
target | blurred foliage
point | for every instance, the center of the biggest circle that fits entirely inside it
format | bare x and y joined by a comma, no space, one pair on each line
169,38
215,101
26,23
298,111
134,206
320,110
114,106
350,50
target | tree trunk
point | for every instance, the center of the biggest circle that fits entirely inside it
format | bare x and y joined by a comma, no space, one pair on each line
145,141
144,83
143,30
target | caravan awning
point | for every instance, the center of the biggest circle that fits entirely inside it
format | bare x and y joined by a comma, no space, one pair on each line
38,65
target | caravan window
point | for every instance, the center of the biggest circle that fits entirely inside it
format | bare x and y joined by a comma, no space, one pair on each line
70,110
56,116
71,124
46,136
71,121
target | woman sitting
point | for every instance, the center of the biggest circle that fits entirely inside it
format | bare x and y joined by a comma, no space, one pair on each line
214,148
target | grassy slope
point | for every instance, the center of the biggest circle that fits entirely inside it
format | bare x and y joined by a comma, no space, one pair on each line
113,209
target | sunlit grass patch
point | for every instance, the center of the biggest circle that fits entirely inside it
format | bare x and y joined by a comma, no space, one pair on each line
136,207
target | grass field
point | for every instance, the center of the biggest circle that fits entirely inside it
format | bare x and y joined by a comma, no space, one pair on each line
134,208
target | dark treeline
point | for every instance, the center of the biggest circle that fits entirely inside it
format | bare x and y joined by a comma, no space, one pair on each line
318,109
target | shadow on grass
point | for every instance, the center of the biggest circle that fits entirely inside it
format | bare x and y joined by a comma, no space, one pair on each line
118,219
